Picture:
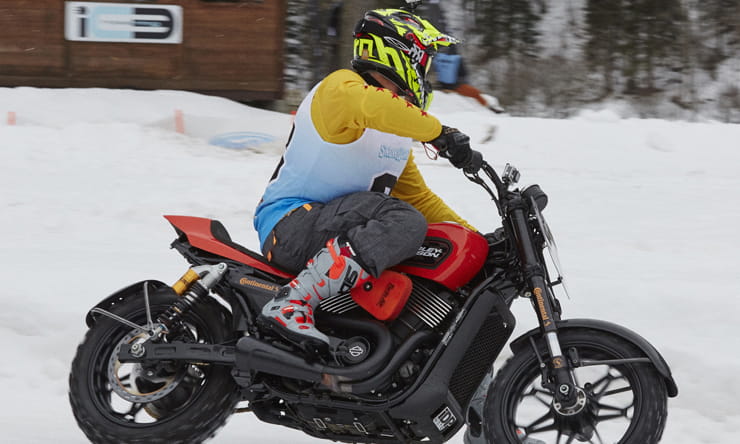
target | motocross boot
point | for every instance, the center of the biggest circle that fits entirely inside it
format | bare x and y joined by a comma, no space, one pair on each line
331,272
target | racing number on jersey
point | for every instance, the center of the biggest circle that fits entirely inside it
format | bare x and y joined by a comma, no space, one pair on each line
282,158
384,183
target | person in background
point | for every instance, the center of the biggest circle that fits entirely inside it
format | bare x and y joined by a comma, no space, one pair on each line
347,200
452,75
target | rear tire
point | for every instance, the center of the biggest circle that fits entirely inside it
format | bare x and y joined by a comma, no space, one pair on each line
199,398
626,404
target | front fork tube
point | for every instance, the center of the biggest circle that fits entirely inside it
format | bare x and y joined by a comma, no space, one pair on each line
561,382
560,379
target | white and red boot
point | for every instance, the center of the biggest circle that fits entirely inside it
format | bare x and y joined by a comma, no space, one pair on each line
331,272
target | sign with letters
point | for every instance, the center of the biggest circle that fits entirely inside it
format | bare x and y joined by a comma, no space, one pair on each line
122,22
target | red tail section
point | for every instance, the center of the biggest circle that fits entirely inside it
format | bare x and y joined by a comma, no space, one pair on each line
211,236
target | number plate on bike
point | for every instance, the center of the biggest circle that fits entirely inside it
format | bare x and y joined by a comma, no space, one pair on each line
444,419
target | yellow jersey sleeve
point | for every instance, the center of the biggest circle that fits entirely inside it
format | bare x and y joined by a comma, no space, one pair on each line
344,105
411,188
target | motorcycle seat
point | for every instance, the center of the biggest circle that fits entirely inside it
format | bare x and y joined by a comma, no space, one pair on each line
211,235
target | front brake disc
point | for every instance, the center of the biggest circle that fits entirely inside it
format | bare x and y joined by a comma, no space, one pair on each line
126,378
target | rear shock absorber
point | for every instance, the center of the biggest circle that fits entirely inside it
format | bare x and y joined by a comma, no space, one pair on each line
193,286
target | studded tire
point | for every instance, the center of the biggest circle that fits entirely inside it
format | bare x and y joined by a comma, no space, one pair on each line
191,412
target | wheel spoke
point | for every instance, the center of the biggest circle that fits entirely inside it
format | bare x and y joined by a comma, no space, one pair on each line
603,418
136,407
535,393
539,421
603,380
608,381
598,436
541,391
603,406
123,416
547,428
542,401
107,395
616,391
601,385
130,415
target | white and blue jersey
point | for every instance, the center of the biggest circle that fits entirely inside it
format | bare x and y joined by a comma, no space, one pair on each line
313,170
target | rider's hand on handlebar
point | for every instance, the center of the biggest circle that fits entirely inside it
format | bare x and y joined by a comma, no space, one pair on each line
455,146
475,163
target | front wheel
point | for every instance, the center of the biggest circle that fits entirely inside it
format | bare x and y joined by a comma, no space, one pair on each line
624,403
161,402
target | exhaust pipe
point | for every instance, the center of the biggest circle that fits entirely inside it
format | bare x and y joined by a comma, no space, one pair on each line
411,344
253,354
257,355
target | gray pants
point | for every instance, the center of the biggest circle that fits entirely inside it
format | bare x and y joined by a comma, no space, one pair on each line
382,231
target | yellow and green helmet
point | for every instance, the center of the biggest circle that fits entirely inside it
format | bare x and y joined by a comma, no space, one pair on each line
400,46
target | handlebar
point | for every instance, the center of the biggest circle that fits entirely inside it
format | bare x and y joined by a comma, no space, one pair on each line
502,183
493,176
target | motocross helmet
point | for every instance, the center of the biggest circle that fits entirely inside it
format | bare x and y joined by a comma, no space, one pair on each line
399,45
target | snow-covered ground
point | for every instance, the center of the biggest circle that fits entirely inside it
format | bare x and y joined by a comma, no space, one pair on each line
645,213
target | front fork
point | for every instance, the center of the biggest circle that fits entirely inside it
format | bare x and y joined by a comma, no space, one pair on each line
556,373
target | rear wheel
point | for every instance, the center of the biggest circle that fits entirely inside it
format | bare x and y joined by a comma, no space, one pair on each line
166,402
623,404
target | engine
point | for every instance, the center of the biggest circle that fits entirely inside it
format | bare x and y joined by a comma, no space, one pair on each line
428,307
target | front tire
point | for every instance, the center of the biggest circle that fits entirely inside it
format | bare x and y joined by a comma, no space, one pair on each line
625,403
173,402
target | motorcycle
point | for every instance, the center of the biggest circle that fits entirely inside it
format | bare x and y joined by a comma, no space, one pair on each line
171,364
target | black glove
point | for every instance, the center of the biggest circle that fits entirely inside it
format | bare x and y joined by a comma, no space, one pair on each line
455,146
475,163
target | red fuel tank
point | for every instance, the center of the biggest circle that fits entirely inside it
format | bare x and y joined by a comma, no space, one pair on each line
450,255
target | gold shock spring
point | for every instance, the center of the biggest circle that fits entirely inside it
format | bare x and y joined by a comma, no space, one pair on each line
182,285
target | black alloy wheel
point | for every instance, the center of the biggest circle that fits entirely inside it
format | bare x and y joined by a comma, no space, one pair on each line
625,404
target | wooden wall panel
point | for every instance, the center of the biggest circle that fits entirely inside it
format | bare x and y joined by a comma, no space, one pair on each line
124,60
229,47
29,38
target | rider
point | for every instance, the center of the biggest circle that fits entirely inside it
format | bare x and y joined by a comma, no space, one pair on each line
452,75
347,200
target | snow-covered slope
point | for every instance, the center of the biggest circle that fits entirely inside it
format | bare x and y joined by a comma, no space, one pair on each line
644,211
